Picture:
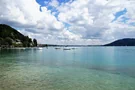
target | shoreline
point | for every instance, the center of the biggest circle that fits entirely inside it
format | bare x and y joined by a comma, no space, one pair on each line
19,48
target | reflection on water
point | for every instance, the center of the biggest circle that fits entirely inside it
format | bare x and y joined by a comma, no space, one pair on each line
89,68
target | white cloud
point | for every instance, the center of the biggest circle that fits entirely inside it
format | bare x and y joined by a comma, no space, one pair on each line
92,19
28,18
78,21
54,3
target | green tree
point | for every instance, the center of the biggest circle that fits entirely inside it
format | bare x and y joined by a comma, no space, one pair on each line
34,42
25,44
1,41
8,41
27,41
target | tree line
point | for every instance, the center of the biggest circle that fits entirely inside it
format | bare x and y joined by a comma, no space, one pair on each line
11,37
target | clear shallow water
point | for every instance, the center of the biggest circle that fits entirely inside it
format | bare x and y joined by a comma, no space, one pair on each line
88,68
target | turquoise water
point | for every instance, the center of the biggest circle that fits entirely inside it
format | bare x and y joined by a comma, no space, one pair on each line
83,68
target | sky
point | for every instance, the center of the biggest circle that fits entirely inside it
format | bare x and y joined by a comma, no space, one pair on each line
81,22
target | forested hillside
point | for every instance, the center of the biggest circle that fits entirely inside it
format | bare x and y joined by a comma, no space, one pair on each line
11,37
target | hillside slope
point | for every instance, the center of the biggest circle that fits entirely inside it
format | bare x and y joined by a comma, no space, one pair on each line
122,42
11,37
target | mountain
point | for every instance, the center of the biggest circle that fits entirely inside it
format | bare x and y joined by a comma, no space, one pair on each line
122,42
11,37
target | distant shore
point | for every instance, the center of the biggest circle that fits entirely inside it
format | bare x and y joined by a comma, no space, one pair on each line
17,47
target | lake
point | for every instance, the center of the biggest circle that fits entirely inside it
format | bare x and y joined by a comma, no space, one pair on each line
82,68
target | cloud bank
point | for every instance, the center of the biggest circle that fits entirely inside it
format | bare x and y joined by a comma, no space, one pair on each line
73,22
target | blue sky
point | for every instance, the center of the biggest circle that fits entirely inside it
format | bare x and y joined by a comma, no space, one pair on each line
42,2
45,3
120,13
71,21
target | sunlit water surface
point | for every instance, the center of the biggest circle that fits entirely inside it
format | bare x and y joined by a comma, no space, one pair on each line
83,68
